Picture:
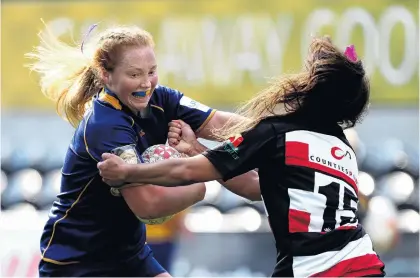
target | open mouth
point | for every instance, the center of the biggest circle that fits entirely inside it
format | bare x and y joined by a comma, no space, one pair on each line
141,94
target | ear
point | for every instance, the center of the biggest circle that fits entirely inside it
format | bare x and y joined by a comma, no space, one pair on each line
105,75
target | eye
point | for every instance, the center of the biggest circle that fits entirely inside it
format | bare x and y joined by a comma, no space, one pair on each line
152,72
134,75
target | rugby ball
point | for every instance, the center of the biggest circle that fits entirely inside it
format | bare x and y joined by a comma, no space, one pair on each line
154,154
159,152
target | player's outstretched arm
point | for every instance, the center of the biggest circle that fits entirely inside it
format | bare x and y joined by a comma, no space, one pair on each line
182,138
172,172
246,185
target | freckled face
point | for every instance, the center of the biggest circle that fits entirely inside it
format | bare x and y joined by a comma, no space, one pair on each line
134,78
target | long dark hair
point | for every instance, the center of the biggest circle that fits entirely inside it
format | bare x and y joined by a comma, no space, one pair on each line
332,87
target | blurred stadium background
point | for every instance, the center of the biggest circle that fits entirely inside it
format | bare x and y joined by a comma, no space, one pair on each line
221,52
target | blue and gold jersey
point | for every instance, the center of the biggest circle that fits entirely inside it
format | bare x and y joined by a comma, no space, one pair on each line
88,223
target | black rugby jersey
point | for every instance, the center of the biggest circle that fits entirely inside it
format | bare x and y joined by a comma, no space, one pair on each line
308,178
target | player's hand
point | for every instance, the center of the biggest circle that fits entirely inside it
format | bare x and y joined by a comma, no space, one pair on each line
113,169
181,136
174,134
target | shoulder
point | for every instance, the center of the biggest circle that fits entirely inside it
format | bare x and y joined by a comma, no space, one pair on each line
283,124
261,133
266,126
107,115
163,93
166,98
103,121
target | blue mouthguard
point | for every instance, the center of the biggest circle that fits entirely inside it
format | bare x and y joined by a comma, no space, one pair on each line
141,93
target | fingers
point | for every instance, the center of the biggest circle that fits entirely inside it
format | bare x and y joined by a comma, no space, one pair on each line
175,130
174,135
178,123
107,161
182,123
173,142
101,165
105,156
175,123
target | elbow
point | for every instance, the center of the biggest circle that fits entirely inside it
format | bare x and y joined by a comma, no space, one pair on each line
252,190
151,209
254,193
255,197
201,192
148,209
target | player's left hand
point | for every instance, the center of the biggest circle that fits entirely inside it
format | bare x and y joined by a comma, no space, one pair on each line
181,137
112,169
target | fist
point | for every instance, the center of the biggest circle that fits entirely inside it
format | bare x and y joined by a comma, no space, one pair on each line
181,136
112,169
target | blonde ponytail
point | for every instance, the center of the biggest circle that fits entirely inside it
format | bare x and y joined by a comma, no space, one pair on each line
66,75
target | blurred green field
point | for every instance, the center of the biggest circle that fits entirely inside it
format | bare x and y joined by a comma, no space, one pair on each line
221,52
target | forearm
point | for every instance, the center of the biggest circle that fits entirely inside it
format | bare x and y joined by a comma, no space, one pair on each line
177,199
246,185
170,172
196,149
151,201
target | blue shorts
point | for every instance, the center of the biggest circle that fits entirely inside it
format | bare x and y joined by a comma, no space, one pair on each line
164,252
142,265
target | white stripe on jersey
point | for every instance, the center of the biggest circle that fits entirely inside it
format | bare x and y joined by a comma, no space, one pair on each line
321,147
309,202
305,266
188,102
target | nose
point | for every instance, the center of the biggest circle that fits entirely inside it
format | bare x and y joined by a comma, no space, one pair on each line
145,83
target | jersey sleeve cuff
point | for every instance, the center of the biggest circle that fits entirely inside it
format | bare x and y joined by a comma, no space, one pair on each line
220,166
206,121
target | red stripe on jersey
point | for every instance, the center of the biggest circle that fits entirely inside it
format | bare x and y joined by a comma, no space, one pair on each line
299,221
368,264
347,227
343,228
297,154
296,151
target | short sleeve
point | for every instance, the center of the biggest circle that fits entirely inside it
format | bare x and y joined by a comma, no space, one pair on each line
184,108
244,152
102,137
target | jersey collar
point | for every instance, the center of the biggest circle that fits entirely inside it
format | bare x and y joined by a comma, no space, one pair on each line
108,96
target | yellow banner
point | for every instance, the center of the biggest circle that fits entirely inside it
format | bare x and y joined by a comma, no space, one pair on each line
222,51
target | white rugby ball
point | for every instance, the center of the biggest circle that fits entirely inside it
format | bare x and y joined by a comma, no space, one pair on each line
159,152
153,154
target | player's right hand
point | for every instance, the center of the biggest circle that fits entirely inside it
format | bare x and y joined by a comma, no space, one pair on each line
113,170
